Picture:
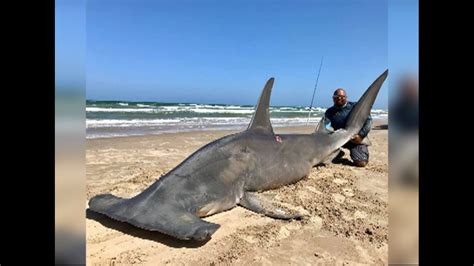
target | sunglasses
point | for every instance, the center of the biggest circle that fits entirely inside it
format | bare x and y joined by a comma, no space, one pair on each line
338,97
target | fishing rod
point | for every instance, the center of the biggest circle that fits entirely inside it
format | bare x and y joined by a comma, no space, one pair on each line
314,91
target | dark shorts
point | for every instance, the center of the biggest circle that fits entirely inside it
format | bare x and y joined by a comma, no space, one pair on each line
359,152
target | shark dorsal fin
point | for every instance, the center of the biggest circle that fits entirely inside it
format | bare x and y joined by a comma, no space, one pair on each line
261,118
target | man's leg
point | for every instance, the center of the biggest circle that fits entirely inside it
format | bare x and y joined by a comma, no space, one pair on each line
360,163
359,154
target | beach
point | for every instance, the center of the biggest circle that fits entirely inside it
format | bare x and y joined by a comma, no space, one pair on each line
347,208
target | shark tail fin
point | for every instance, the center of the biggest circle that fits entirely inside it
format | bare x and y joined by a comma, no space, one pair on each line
362,108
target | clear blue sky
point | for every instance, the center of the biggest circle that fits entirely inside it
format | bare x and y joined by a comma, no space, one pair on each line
402,40
224,51
70,46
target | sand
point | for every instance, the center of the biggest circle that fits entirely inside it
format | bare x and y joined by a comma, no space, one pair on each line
347,207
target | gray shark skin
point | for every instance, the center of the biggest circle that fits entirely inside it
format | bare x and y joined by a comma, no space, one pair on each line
230,171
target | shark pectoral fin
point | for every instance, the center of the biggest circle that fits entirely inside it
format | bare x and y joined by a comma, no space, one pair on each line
254,202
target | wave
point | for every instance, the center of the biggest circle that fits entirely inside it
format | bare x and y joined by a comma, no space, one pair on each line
195,121
117,110
222,111
143,105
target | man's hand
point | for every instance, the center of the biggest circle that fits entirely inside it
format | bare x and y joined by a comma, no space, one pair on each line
356,139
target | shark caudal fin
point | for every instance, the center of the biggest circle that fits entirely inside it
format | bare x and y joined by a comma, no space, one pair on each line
362,108
260,122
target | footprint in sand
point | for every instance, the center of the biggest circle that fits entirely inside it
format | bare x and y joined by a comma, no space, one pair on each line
338,198
313,190
348,192
283,233
360,215
339,181
316,221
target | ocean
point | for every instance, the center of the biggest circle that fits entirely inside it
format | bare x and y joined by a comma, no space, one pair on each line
122,118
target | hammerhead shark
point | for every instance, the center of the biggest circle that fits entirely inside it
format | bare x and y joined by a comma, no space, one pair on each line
231,171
